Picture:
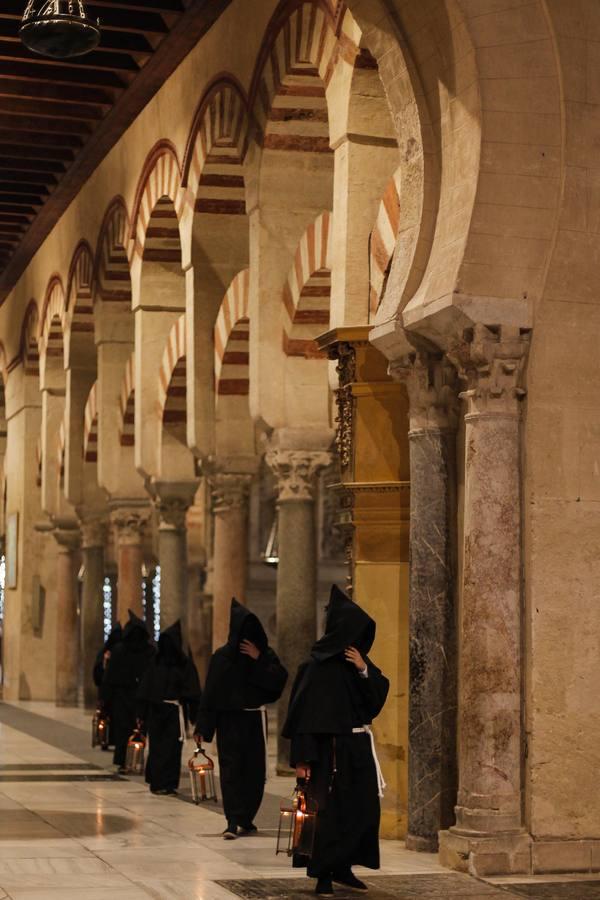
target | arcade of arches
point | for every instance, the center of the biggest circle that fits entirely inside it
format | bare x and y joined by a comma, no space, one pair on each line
335,291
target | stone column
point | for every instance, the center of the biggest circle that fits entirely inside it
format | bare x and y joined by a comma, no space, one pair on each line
488,836
230,550
432,775
67,620
93,533
172,504
297,472
129,524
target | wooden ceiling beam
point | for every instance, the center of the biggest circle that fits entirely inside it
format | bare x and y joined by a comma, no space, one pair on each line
58,155
50,108
36,70
41,124
111,39
159,6
117,18
46,166
63,93
97,59
26,138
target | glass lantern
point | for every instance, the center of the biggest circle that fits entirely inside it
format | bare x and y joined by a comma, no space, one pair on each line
202,776
100,726
136,749
297,823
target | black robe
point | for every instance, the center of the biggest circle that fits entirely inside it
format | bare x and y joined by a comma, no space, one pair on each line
235,684
171,676
330,698
126,666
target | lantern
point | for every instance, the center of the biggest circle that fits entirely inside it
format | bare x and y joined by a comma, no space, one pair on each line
136,746
58,28
297,822
202,776
100,726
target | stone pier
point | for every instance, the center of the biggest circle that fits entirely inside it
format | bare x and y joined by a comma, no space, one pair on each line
230,551
297,472
129,523
93,533
67,620
488,836
432,703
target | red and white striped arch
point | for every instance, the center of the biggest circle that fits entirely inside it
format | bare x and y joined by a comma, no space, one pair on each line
80,310
213,172
51,339
160,180
127,403
172,376
383,240
113,277
231,335
307,291
295,66
29,351
90,426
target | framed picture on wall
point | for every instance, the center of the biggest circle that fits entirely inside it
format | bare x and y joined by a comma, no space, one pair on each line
12,547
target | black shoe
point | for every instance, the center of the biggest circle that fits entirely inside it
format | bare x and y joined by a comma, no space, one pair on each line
163,792
247,830
349,880
230,833
324,887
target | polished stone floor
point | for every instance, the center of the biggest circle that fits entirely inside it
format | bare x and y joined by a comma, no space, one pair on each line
71,829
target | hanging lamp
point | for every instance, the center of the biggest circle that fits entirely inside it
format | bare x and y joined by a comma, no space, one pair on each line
58,28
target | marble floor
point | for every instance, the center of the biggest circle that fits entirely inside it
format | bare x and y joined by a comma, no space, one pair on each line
71,829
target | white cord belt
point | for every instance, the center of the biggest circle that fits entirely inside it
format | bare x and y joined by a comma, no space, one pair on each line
263,718
366,729
181,718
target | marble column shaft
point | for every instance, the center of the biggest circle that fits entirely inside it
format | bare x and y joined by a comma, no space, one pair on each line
297,473
67,619
92,603
129,525
490,792
230,550
432,774
172,554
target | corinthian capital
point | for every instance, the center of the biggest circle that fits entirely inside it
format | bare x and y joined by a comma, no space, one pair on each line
491,362
229,490
432,387
297,471
93,532
129,523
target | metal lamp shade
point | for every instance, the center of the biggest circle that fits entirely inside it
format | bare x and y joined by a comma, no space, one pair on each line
100,725
136,751
202,776
297,824
58,28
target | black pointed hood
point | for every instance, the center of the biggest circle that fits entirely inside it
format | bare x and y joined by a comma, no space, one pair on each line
245,625
347,625
170,644
135,631
114,637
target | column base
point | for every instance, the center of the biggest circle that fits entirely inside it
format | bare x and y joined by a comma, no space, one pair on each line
420,844
483,855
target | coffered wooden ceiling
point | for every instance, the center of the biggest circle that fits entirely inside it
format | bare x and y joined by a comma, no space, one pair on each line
58,119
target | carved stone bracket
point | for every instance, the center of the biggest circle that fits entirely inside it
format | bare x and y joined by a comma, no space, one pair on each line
491,362
172,512
432,386
297,471
129,523
68,539
229,491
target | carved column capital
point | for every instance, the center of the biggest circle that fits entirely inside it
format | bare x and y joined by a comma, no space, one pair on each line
432,386
229,490
68,539
93,533
172,512
491,362
129,523
297,471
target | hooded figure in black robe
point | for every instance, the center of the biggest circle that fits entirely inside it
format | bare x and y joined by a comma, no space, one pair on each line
338,690
243,676
100,665
168,697
127,664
